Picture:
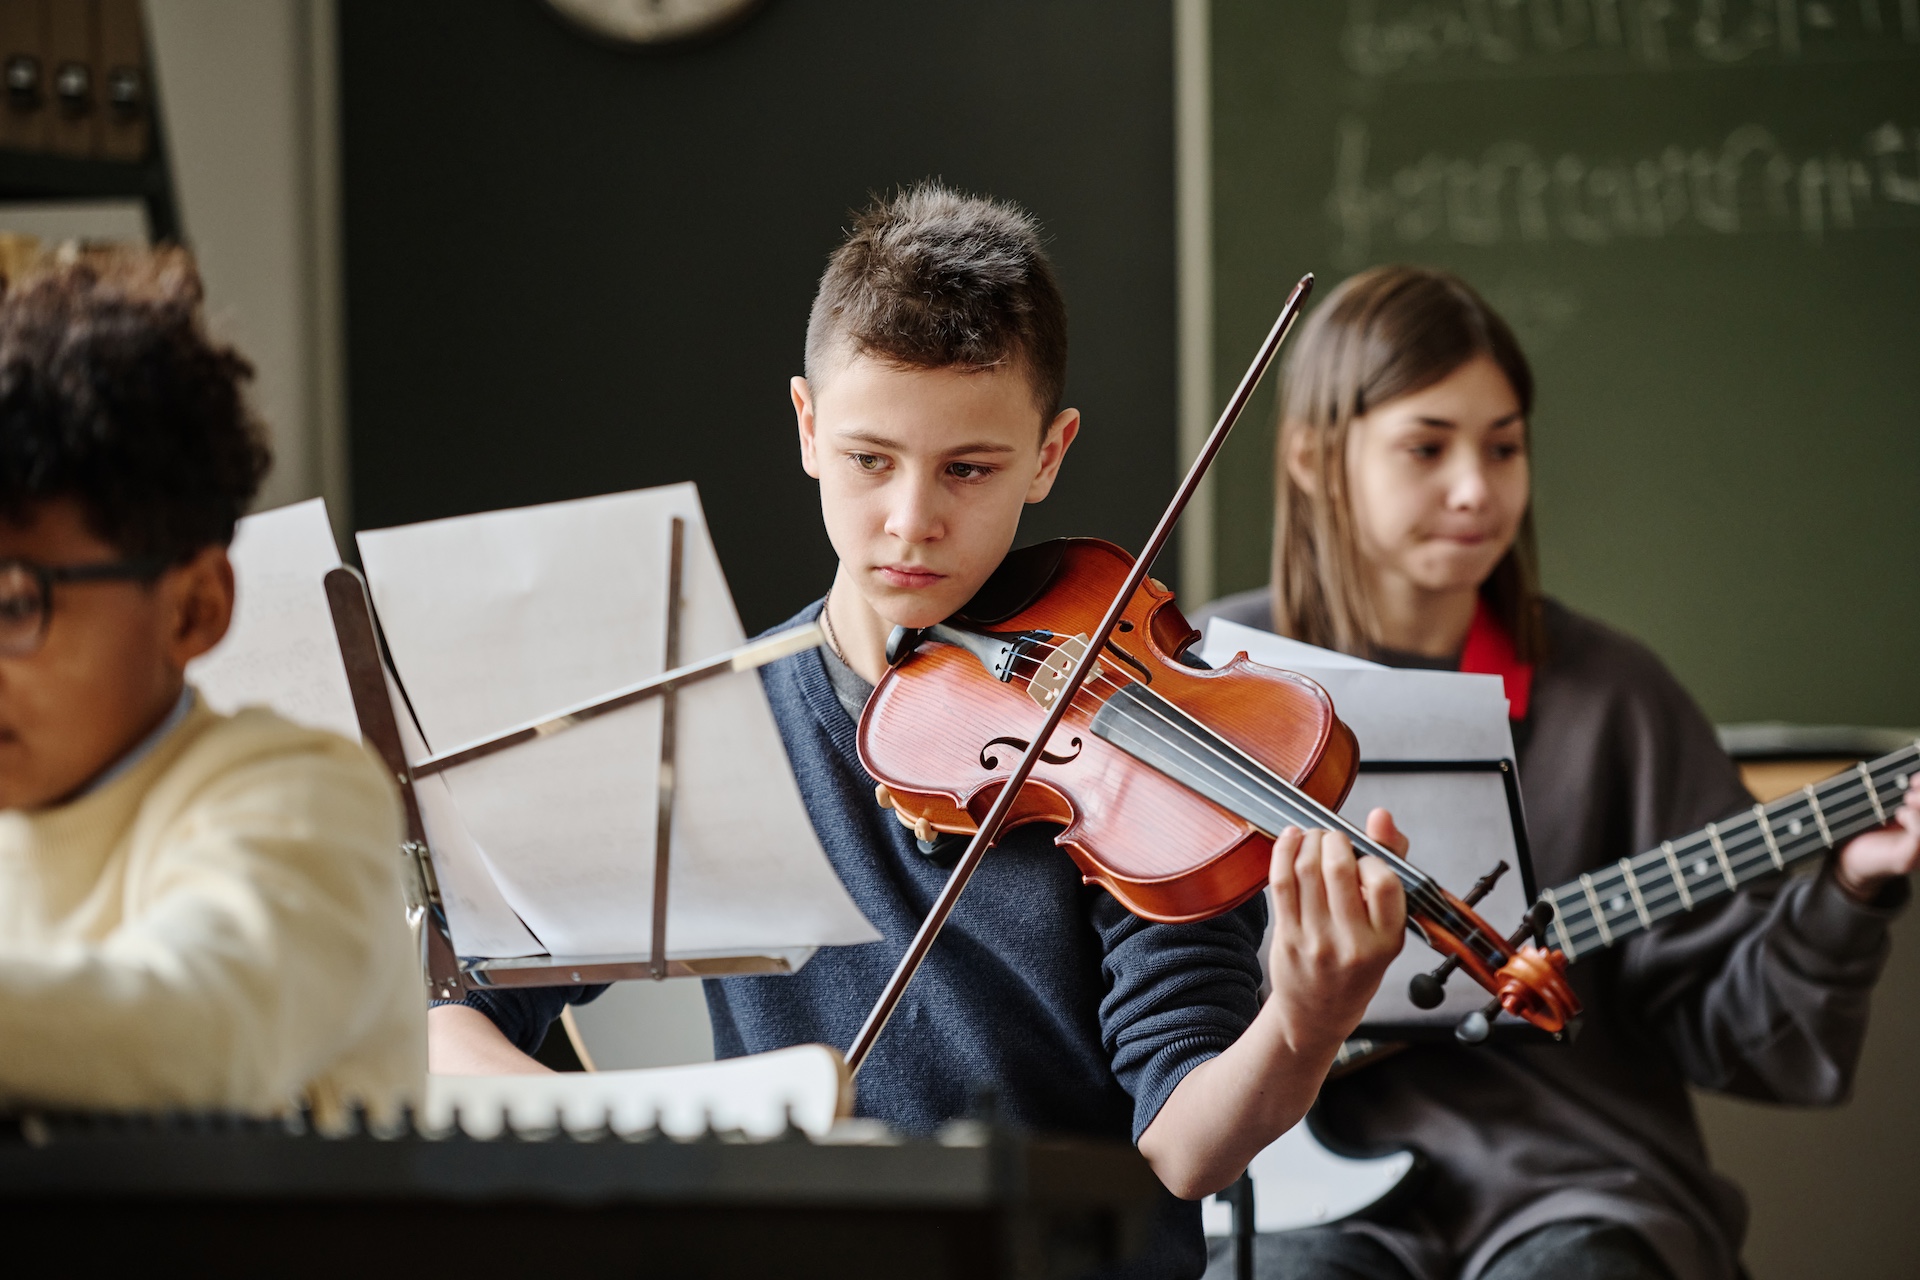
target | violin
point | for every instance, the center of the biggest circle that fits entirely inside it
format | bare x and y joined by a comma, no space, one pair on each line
1058,695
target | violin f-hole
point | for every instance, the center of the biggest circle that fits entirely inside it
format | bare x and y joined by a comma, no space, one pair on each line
1021,744
1131,661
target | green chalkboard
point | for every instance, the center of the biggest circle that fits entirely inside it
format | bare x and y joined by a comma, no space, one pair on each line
1703,219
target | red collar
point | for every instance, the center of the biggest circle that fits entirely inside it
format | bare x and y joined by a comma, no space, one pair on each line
1489,652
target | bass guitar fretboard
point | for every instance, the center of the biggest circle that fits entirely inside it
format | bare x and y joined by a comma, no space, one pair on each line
1604,906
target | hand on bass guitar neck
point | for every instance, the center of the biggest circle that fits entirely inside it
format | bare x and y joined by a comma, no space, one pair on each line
1868,862
1872,812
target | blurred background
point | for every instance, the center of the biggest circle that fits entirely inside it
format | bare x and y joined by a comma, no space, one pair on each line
484,253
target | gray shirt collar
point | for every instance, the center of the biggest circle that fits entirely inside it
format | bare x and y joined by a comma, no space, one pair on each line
849,689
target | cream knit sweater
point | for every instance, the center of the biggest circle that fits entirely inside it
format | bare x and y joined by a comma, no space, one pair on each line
221,926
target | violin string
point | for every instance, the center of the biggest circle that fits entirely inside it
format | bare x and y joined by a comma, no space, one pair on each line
1099,676
1421,893
1419,888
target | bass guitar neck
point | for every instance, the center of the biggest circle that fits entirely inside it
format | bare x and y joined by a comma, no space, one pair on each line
1600,908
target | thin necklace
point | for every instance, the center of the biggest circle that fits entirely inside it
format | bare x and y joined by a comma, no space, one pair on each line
833,641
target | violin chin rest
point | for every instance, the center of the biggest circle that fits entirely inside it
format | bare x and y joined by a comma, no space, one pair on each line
901,643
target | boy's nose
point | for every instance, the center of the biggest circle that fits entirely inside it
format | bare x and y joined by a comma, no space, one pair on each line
915,515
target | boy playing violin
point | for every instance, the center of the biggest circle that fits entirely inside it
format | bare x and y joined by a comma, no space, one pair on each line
930,415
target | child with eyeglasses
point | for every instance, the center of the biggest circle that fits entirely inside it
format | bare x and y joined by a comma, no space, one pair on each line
196,910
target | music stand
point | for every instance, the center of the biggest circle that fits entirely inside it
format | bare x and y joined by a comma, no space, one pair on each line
449,974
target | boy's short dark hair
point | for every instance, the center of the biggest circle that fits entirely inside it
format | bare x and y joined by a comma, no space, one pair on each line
934,279
112,394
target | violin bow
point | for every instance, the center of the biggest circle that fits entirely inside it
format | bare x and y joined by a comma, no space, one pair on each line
990,826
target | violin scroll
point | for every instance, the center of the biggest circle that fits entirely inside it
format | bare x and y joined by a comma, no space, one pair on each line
1527,980
1533,986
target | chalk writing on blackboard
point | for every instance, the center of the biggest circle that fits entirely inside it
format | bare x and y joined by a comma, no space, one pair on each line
1472,39
1513,192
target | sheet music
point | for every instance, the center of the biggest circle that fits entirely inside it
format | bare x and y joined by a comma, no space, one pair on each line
758,1094
499,618
1396,714
478,916
280,651
1224,639
1458,824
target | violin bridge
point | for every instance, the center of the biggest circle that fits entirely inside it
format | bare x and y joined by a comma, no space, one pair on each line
1056,668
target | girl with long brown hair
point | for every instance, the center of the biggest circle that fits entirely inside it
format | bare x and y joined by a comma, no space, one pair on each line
1404,533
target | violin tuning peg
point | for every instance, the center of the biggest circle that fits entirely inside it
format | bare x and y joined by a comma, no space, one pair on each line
1478,1025
1425,991
1484,885
882,796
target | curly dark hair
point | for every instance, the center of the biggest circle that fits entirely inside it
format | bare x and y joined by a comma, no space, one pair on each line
934,279
113,394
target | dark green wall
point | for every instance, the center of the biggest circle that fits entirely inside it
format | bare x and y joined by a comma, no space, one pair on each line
1709,242
573,269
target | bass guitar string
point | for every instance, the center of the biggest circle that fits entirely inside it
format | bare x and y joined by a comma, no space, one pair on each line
1748,859
1843,801
1745,843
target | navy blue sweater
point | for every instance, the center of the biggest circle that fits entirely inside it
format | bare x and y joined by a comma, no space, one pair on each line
1081,1017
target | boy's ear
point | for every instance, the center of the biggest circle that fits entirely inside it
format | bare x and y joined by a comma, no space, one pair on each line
803,414
199,604
1053,449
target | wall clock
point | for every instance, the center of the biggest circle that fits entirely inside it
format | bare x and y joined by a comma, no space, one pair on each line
653,22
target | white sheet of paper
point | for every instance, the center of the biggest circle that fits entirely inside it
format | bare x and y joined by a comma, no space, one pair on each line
1224,639
1458,827
501,618
1396,714
280,651
1458,824
478,916
757,1094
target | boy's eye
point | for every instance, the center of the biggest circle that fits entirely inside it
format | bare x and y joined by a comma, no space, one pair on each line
968,470
868,461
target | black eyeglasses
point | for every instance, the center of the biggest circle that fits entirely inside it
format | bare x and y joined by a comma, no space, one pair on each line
26,595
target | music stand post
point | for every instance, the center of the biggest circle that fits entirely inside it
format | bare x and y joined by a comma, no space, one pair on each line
366,678
669,727
448,974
